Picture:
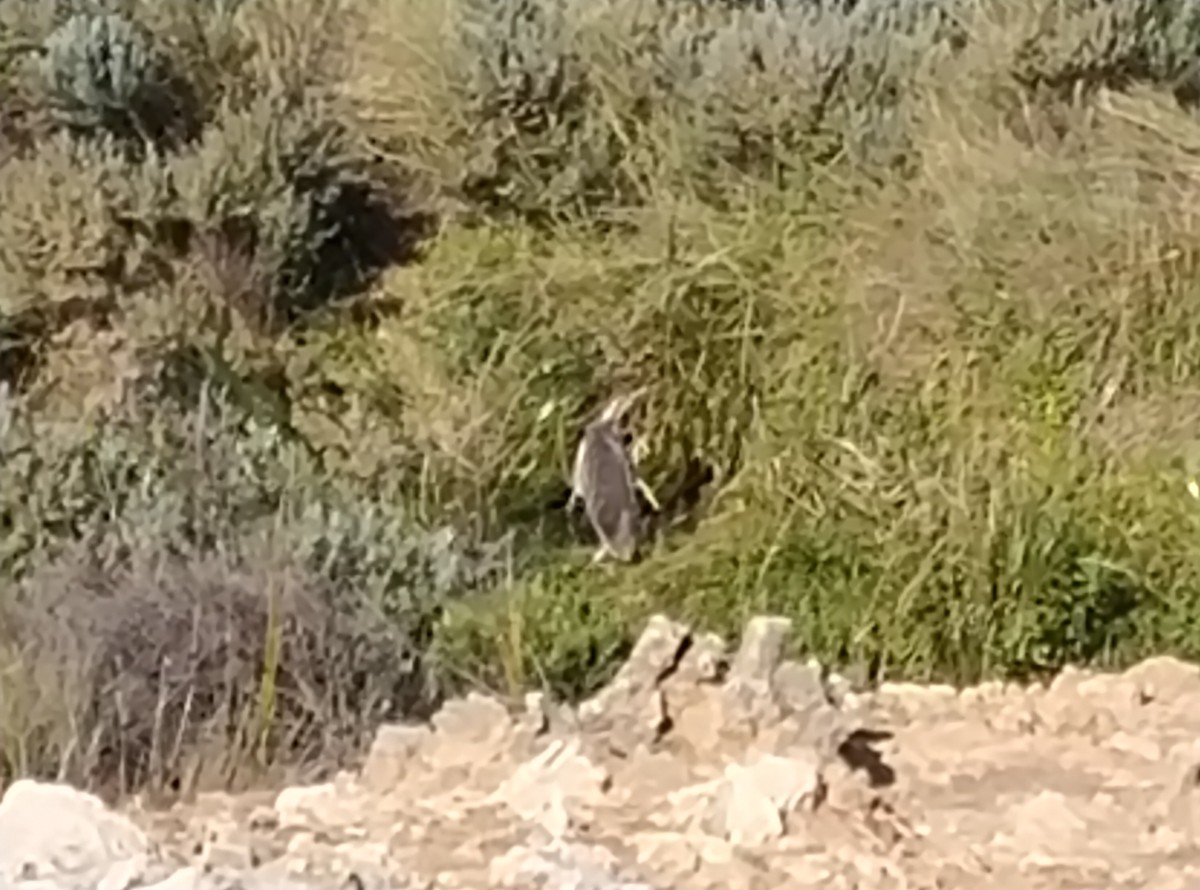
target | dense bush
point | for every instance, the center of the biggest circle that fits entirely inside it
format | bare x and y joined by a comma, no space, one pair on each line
76,221
104,74
280,183
556,109
177,564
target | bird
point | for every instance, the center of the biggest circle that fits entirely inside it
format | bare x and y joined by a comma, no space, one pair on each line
605,480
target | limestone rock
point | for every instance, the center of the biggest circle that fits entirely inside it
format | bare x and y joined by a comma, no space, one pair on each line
631,710
761,650
559,866
470,732
51,832
553,785
655,655
749,690
1165,678
308,806
800,687
705,661
751,803
392,752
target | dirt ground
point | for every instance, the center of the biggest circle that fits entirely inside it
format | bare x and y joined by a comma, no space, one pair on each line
696,768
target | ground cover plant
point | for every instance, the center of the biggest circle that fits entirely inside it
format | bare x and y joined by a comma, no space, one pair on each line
303,304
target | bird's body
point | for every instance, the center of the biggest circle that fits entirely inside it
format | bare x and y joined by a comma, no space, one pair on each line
605,480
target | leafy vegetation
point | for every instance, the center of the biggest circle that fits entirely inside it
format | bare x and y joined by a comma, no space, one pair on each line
303,304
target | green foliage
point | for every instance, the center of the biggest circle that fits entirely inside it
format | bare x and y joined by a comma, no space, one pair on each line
539,142
128,482
104,74
1085,44
282,185
903,532
81,224
163,532
560,110
799,83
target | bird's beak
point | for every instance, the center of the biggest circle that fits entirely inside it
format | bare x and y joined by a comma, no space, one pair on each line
1193,487
620,405
632,398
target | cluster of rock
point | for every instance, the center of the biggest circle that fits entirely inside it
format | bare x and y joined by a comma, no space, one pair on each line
696,768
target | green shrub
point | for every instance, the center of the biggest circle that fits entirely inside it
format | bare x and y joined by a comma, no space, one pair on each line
555,110
147,546
971,389
283,185
82,225
539,141
1082,44
105,74
801,84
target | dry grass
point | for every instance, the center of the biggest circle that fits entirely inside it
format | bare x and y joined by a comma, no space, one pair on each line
178,673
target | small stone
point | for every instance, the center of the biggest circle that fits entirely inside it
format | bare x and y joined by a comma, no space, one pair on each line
632,710
668,854
800,688
469,733
556,781
743,814
751,803
1179,802
983,696
305,806
189,878
51,832
1045,824
655,655
391,755
223,845
705,661
838,688
748,695
761,649
917,701
537,712
1165,678
647,774
698,720
1148,749
475,718
657,651
559,866
264,819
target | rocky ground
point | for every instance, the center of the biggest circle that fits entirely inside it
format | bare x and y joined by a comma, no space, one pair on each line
694,769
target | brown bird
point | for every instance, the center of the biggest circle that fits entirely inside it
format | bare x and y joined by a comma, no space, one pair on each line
605,479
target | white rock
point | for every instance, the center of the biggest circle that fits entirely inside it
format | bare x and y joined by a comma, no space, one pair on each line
470,732
55,833
1045,824
189,878
656,653
744,814
559,866
1165,677
750,804
545,788
761,649
392,752
305,805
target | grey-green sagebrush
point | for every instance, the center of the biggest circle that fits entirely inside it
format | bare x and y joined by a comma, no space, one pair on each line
605,480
